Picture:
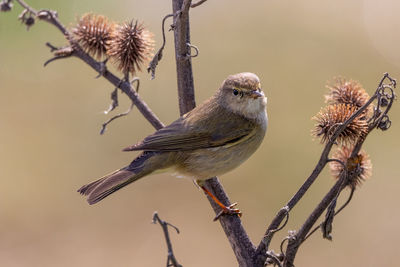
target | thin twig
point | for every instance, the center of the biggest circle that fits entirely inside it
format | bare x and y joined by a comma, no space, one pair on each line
336,213
295,242
114,101
197,3
54,59
114,104
171,260
158,56
122,114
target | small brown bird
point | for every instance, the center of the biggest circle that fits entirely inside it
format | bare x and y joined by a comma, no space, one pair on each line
210,140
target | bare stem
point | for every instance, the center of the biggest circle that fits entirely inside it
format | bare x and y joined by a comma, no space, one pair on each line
296,240
336,213
197,3
171,260
182,55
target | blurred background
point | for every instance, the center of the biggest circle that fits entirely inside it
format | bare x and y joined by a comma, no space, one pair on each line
51,118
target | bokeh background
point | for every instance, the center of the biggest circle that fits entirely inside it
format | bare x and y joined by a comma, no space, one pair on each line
51,117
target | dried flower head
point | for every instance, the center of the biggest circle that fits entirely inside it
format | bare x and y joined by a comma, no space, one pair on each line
332,116
343,91
131,46
359,168
93,33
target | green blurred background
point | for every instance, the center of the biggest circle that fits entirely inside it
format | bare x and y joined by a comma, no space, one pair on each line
50,143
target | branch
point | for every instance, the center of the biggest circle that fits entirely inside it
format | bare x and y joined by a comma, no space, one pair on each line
51,17
232,225
197,4
182,55
171,260
297,239
336,213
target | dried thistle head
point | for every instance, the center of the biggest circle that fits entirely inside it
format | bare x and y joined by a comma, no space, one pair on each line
93,33
351,92
131,46
332,116
359,168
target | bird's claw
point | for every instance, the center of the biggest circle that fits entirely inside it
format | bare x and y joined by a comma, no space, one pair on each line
229,210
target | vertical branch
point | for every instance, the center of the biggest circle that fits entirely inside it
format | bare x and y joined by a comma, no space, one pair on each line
241,244
182,55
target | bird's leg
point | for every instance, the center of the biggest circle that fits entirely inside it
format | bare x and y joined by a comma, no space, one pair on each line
225,209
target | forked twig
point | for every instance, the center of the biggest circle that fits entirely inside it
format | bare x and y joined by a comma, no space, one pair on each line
114,104
336,213
171,260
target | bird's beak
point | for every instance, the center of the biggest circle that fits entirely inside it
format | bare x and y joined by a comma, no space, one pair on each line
256,94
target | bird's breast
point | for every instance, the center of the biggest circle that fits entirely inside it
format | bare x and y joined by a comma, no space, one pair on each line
209,162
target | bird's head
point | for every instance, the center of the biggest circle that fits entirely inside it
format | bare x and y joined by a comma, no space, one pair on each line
242,94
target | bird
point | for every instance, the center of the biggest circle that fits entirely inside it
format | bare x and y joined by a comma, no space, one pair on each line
211,139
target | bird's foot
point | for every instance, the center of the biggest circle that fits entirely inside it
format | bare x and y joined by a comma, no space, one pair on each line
228,210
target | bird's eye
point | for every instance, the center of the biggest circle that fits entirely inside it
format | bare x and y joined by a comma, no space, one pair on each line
235,92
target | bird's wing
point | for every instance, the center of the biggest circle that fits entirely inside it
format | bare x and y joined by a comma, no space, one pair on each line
181,135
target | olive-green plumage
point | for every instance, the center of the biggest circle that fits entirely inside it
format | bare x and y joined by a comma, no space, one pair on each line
210,140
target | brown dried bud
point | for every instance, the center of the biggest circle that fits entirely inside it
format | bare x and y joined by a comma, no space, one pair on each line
27,18
29,21
93,33
350,92
131,46
332,117
6,5
359,168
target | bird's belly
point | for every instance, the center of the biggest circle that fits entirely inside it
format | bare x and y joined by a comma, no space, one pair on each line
205,163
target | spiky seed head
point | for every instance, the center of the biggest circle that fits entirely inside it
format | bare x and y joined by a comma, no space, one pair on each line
332,116
342,91
359,168
131,46
93,33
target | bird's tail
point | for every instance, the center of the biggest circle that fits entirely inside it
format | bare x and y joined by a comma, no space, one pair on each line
105,186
